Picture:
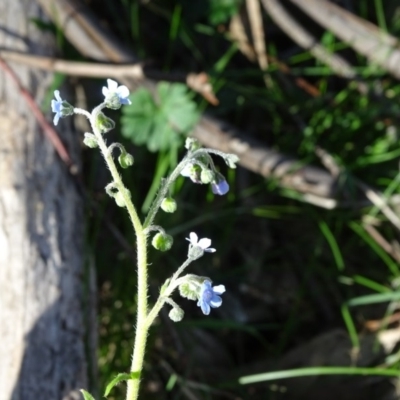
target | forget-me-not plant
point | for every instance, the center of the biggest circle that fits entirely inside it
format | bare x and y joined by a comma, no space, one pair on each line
199,166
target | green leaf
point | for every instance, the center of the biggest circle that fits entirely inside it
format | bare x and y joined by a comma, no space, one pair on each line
119,378
317,371
374,298
87,395
160,123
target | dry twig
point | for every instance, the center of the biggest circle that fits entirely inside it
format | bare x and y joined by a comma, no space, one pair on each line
304,39
197,82
363,36
48,130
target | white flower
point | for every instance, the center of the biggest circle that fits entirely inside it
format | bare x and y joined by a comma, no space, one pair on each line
204,243
116,94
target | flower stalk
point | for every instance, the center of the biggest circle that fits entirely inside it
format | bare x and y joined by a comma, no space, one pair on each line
199,166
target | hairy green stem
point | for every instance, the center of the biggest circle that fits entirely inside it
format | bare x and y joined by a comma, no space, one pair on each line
141,243
173,284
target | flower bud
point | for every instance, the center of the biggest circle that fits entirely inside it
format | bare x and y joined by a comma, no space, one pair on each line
162,241
206,176
231,160
168,205
192,144
189,290
176,314
119,199
90,140
125,160
192,171
220,185
103,123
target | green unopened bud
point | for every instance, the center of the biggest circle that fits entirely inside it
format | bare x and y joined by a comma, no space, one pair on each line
231,160
103,123
192,144
125,160
206,176
90,140
176,314
168,205
162,241
119,199
189,290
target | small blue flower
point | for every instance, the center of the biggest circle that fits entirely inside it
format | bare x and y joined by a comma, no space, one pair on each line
57,107
220,187
209,297
115,95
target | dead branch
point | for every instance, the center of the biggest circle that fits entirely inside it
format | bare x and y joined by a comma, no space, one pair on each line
263,161
363,36
196,81
83,30
304,39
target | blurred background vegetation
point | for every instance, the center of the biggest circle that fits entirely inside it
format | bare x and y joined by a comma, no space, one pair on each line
312,281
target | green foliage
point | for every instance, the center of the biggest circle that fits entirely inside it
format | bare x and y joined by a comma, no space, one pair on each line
222,10
160,123
87,395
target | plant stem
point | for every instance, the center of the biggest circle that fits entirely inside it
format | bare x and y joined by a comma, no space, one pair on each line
141,243
173,284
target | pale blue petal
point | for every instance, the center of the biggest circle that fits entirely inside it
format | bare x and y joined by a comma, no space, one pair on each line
57,95
216,301
56,119
205,307
220,188
122,92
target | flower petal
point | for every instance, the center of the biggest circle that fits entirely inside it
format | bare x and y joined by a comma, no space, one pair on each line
54,106
206,286
125,101
220,188
57,95
122,91
216,301
193,238
204,243
112,85
186,172
219,289
56,119
105,91
205,307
